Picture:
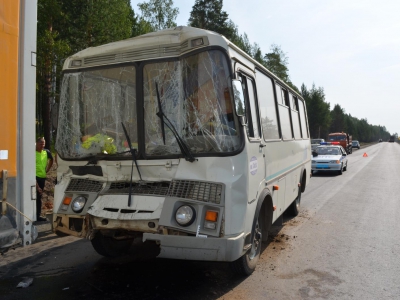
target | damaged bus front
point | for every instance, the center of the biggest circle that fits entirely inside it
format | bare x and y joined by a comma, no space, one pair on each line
146,147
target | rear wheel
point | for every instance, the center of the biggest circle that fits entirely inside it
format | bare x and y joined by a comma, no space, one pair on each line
294,208
246,264
110,247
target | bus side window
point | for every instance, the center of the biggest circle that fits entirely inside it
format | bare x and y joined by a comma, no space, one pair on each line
269,119
303,121
284,117
251,107
295,116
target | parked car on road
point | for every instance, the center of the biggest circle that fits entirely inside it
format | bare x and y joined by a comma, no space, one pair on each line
329,158
355,144
315,143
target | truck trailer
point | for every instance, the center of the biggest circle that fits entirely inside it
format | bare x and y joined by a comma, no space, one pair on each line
17,123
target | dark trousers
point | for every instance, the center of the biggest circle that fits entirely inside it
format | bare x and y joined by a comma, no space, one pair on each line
40,182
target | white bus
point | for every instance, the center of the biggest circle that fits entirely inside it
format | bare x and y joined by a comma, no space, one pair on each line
180,139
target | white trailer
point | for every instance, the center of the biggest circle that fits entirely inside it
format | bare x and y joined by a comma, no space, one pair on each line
17,123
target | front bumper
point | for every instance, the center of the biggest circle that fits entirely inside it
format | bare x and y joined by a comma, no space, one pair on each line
82,226
326,167
198,248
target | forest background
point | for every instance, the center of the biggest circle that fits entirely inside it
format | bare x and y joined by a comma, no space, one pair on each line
68,26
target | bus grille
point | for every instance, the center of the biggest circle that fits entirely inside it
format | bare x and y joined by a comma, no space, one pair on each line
187,189
196,190
84,185
148,188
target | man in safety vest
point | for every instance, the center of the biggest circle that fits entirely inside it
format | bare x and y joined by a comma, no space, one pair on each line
44,161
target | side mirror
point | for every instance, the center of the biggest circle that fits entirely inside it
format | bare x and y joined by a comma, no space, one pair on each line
238,98
314,154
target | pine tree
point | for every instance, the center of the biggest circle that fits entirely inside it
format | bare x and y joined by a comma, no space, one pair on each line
66,27
208,14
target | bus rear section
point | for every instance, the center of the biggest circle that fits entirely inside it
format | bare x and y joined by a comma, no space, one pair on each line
17,137
180,148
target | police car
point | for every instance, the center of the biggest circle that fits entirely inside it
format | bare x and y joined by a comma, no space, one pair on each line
329,156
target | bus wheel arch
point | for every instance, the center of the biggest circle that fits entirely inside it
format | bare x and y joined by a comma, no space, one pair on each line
246,264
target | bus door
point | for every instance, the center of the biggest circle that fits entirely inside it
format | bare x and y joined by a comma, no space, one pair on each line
253,129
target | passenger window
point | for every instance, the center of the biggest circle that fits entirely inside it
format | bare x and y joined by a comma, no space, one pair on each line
295,116
284,116
279,97
253,128
303,121
285,97
269,119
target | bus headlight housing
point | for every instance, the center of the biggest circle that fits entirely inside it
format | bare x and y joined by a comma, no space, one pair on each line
185,215
78,204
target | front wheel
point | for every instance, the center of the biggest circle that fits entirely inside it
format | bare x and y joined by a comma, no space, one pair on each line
246,264
110,247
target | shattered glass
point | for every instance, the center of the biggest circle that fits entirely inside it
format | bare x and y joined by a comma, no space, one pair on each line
195,95
92,106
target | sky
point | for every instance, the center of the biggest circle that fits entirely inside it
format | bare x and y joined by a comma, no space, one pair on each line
349,48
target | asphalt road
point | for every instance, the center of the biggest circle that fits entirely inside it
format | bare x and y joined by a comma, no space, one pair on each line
343,245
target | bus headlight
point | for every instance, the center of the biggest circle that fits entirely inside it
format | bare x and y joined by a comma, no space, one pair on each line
185,215
78,204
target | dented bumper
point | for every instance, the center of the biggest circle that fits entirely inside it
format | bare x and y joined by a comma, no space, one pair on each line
198,248
82,226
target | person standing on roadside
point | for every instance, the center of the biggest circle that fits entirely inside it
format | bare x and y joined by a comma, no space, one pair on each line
44,161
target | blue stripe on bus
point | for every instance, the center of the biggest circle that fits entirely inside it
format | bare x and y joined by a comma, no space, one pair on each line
284,170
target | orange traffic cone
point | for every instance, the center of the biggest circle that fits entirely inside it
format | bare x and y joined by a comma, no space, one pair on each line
365,154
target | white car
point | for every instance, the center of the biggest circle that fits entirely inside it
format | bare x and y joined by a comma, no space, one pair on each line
329,158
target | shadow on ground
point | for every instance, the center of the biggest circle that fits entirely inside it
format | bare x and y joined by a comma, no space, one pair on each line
75,270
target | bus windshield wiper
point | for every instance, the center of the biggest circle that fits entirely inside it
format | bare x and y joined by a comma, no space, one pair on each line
133,152
160,114
164,120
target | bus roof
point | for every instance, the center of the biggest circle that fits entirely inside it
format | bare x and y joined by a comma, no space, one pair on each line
170,42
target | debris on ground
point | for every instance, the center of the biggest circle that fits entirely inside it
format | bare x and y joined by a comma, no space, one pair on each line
25,283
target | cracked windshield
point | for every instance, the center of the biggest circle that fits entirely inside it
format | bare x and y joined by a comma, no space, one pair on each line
194,96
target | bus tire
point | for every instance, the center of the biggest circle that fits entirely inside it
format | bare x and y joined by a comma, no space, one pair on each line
294,208
60,234
246,264
109,247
